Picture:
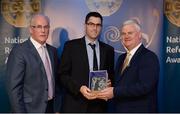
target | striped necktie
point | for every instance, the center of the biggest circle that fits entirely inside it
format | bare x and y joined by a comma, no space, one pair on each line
126,62
47,67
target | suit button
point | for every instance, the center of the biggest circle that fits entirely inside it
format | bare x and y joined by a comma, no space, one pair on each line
46,89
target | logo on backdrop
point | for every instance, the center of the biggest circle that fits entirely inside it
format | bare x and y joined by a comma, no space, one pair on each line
105,7
172,11
19,12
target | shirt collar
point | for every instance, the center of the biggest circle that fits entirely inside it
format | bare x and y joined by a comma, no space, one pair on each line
133,51
88,41
36,44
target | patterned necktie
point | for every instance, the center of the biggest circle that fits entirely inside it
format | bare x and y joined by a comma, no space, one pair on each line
126,62
48,72
95,64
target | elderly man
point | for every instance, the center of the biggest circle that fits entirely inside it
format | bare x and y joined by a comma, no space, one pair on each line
31,70
136,73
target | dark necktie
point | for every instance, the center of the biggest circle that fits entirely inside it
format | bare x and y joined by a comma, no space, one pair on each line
95,64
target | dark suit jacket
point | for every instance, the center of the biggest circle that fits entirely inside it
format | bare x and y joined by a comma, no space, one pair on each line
136,89
74,72
27,83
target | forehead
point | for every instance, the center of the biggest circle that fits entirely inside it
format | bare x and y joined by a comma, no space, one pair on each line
40,20
94,19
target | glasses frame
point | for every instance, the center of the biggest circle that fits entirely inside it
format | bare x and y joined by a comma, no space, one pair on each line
91,24
128,33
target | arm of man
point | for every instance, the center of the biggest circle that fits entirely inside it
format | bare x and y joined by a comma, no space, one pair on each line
111,65
106,94
66,68
15,74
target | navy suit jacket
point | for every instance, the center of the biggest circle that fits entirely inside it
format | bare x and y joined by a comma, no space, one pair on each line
74,72
136,89
27,83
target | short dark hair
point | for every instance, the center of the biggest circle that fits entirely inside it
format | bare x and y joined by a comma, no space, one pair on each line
93,14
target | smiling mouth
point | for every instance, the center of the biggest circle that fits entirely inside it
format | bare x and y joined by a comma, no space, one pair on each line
43,35
127,39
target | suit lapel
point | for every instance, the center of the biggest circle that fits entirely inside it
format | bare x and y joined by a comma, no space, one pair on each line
133,60
83,52
119,67
102,55
34,51
37,57
136,55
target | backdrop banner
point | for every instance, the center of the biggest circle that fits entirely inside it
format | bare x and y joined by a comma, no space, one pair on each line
67,23
171,60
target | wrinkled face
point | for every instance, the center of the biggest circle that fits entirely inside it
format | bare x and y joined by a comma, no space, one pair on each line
131,37
39,29
93,28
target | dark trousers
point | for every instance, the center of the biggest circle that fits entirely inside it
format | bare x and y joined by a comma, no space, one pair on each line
49,108
95,106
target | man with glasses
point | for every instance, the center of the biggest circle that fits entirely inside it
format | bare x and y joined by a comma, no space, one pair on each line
79,57
31,70
136,74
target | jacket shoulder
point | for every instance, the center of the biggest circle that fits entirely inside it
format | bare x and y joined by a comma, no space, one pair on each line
148,52
21,46
106,45
51,47
74,42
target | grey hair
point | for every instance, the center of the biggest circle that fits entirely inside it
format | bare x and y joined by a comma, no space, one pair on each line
32,20
132,22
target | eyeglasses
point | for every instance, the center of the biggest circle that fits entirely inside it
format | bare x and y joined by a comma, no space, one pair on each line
39,27
90,24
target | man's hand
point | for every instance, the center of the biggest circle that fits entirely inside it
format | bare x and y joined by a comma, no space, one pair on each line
86,92
106,94
109,84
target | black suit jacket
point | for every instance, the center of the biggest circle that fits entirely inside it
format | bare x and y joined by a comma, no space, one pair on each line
27,83
74,72
136,89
